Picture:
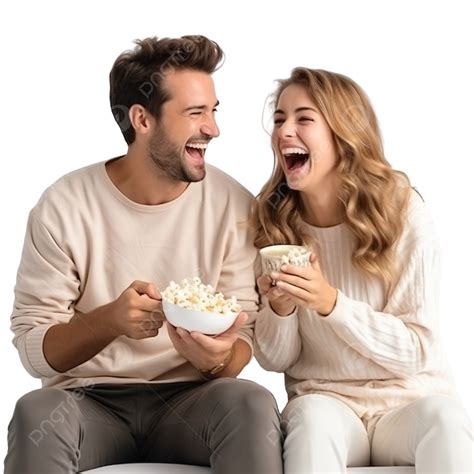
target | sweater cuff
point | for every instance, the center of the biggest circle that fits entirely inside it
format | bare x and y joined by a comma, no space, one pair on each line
281,323
338,317
34,352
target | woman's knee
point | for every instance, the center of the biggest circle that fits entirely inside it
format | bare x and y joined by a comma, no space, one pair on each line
316,415
446,414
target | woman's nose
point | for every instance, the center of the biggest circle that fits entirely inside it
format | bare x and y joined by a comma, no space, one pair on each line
287,129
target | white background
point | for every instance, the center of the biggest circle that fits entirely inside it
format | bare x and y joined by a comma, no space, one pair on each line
413,58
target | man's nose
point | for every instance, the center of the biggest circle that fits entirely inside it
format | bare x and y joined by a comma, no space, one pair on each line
210,127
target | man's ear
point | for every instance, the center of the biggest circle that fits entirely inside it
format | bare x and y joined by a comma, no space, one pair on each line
140,119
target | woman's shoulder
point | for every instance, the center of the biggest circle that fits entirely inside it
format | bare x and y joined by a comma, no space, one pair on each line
420,230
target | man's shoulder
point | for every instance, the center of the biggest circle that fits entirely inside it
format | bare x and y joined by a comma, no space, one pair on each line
226,185
69,189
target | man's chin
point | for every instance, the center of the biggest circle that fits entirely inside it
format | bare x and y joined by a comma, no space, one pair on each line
197,178
196,174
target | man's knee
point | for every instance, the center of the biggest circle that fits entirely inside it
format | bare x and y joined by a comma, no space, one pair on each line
43,411
251,408
249,398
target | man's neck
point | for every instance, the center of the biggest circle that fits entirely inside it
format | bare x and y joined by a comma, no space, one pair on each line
139,179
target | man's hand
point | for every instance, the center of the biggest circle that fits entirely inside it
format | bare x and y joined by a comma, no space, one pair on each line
205,352
137,313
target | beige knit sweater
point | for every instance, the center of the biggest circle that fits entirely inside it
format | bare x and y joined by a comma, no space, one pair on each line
86,242
374,351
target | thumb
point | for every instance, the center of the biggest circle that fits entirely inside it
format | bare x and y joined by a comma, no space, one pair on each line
264,283
238,323
146,288
152,291
314,261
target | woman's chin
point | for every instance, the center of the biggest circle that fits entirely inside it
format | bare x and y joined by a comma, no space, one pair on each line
296,183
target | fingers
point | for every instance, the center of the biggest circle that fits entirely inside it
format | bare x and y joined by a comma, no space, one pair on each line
213,345
146,288
264,284
150,333
150,324
277,293
145,303
231,333
175,339
295,292
239,322
293,280
158,315
314,260
179,335
204,341
195,341
307,273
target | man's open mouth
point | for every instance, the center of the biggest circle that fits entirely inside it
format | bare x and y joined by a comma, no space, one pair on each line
295,158
196,150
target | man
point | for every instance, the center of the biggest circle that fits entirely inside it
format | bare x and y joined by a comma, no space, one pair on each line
120,384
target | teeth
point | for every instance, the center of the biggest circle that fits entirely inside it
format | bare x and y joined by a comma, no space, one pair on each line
199,146
295,150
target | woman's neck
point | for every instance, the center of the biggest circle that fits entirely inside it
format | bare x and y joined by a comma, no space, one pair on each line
322,208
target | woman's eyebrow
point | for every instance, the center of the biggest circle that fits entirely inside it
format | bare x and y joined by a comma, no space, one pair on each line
299,109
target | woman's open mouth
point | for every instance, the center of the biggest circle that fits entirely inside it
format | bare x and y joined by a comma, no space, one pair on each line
295,158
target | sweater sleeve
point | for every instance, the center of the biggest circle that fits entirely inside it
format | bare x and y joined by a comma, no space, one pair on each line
238,278
402,337
46,288
277,339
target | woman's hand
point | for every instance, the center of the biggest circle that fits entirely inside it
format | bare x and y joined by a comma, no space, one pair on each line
306,287
282,304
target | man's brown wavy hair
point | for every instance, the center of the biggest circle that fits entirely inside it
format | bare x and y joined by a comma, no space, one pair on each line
137,75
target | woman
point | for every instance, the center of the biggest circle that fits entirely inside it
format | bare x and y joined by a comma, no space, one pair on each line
355,333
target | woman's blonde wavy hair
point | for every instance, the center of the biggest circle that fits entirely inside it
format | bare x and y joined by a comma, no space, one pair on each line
374,195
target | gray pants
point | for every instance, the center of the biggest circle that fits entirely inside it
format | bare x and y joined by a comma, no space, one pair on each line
230,424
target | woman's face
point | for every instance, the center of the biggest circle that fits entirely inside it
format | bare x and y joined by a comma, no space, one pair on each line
302,140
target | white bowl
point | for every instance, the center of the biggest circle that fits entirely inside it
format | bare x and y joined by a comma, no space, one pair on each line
207,323
272,257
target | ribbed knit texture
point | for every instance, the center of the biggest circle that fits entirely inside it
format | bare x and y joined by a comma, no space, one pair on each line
375,351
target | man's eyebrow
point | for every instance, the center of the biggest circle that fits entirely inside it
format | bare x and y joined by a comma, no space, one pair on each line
199,107
299,109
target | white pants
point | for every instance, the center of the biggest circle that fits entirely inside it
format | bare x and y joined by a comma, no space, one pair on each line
322,434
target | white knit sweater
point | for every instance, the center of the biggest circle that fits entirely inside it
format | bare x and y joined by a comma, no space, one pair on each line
375,351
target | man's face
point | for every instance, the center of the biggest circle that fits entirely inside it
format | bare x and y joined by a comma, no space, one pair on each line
187,124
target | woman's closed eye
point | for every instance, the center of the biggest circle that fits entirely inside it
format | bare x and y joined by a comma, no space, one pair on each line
280,121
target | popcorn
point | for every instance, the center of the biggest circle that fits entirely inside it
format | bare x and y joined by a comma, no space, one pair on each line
274,256
199,297
294,256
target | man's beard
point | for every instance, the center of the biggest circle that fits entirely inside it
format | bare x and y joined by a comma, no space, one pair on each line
167,157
